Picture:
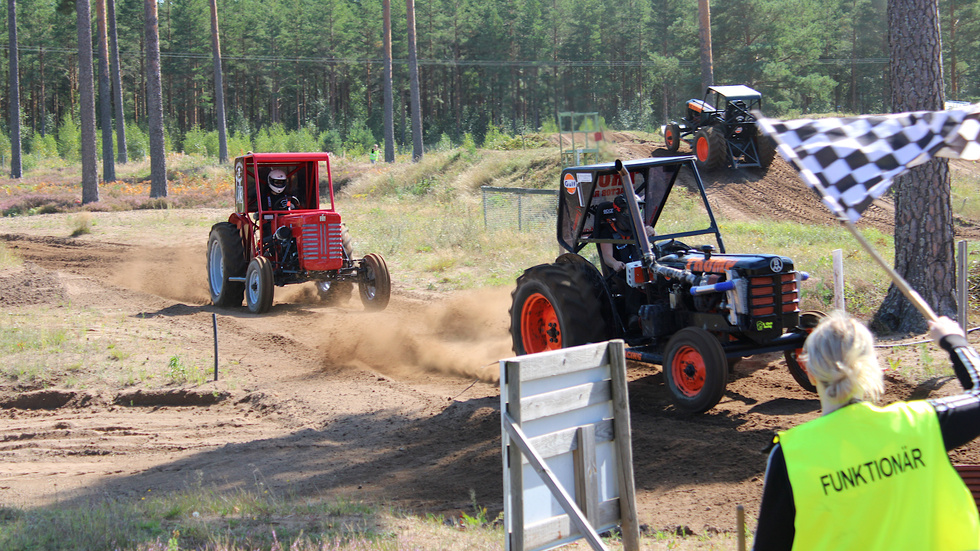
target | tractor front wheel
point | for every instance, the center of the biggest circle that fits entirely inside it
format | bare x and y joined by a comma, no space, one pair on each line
695,369
672,137
710,148
259,286
796,364
338,293
226,259
555,306
375,285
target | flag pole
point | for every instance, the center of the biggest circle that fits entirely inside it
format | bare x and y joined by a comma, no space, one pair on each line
914,297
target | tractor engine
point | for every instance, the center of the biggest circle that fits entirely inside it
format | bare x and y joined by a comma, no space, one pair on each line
755,296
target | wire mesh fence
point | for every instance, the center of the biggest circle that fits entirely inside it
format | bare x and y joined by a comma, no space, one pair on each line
530,210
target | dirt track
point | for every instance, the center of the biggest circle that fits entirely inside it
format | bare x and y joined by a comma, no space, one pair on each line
400,405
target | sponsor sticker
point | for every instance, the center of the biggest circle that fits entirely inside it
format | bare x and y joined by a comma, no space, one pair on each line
570,183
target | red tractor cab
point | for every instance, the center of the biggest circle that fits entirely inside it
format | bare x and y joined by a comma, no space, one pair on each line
280,235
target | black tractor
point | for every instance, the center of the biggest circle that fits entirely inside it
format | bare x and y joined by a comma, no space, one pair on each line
722,129
695,310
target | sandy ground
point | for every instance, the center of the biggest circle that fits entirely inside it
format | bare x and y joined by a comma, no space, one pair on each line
400,406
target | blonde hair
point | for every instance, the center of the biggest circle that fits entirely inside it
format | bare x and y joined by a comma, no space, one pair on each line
840,355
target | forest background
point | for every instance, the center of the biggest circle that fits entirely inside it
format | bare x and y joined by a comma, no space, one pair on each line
313,68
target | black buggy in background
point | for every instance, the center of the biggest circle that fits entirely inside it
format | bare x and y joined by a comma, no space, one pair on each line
722,129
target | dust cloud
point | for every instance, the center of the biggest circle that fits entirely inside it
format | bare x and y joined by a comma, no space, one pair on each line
465,335
177,273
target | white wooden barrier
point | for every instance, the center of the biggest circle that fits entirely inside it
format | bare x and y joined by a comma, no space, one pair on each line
568,460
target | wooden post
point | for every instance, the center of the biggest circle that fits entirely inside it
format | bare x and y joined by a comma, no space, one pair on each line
740,526
839,280
962,296
624,437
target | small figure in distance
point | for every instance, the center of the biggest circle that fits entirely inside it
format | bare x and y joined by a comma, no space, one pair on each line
278,199
866,477
374,154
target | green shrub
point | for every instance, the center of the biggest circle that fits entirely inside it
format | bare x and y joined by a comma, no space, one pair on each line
137,142
272,138
330,140
495,137
4,149
69,140
45,147
302,140
468,143
238,144
359,139
195,142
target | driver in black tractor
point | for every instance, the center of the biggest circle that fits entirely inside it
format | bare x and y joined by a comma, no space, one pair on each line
615,222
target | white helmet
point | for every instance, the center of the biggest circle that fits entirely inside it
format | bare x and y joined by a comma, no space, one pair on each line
277,181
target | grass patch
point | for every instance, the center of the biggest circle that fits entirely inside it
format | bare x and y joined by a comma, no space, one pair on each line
255,518
74,347
8,259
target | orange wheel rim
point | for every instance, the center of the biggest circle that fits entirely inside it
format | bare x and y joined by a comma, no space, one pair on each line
670,138
688,371
702,150
797,355
540,330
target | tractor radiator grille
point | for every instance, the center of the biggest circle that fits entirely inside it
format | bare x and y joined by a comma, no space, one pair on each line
769,295
320,246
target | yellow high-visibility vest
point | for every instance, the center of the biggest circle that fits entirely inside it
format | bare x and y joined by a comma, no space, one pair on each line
870,478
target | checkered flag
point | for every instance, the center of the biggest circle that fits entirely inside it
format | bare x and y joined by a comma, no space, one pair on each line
851,161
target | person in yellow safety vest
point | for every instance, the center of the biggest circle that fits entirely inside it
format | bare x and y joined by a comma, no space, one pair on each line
867,477
374,154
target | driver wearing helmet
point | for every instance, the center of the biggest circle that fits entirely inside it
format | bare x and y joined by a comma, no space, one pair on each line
616,223
278,199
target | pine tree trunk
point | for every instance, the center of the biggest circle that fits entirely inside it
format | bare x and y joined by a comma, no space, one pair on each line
219,87
86,98
105,95
704,24
121,153
389,99
923,215
413,71
15,162
154,101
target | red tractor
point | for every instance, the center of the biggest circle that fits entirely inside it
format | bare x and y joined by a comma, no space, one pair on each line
280,235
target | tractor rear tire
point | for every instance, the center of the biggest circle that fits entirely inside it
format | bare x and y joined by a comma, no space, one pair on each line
338,293
375,286
672,137
555,306
765,146
226,258
696,370
259,285
710,148
797,367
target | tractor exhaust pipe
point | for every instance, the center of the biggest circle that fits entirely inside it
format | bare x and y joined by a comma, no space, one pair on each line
638,230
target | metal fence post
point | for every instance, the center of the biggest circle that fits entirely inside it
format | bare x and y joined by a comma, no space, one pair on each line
484,190
520,214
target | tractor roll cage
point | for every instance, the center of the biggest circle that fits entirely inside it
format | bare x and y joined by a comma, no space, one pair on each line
585,187
251,171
